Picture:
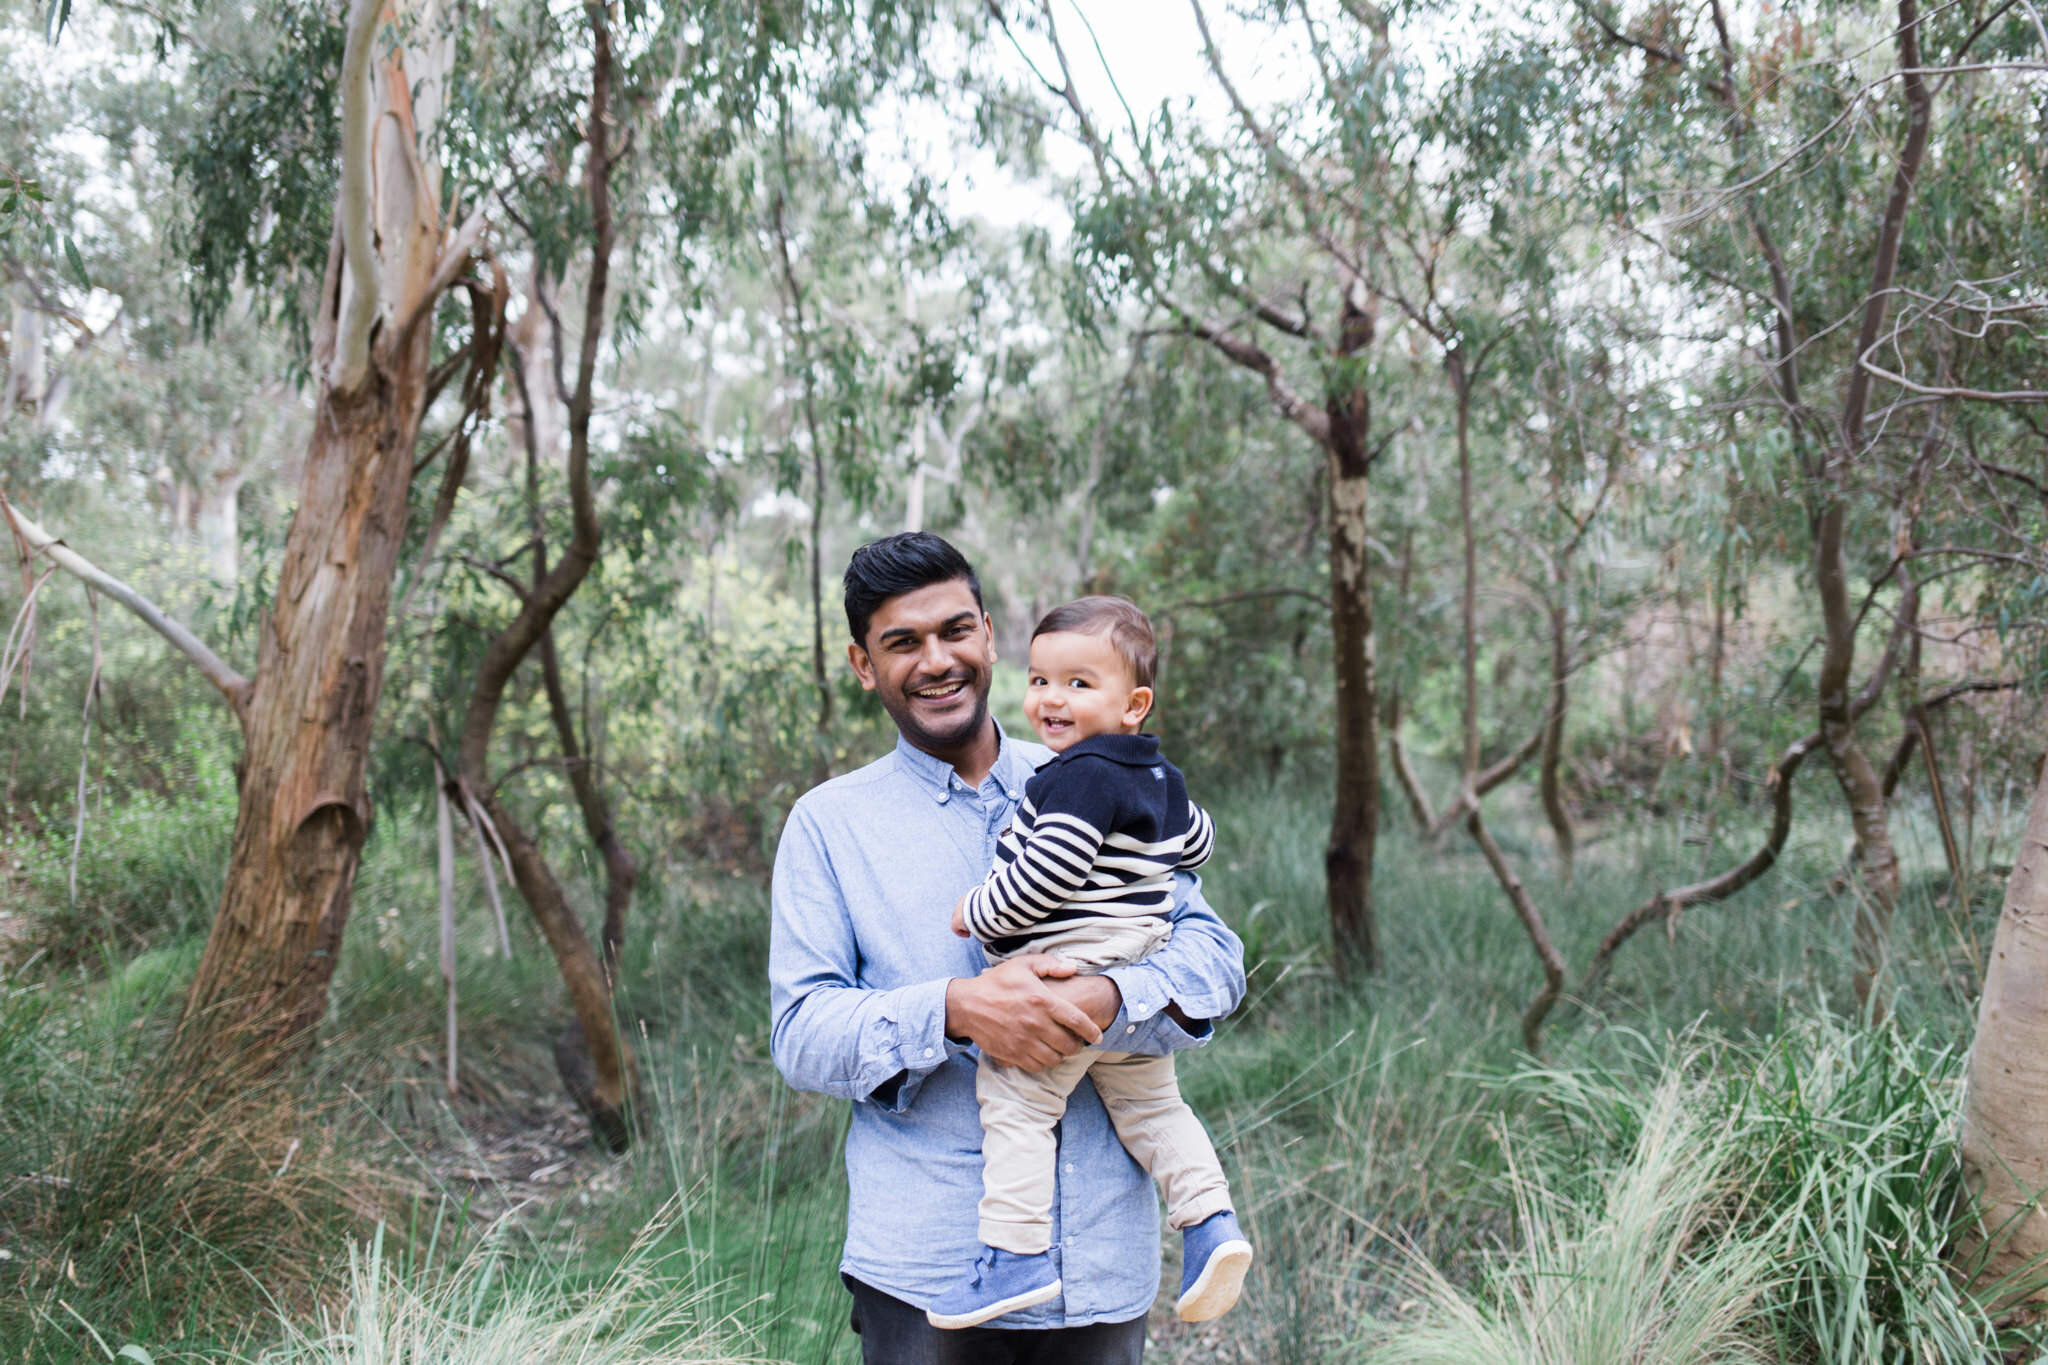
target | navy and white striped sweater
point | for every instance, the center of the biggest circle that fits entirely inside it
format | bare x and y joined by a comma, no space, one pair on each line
1096,841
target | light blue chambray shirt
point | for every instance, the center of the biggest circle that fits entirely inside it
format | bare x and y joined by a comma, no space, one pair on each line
866,875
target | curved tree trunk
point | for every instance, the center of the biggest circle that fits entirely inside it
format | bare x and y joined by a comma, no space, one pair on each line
608,1089
304,810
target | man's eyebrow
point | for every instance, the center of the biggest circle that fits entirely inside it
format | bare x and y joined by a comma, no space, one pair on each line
904,632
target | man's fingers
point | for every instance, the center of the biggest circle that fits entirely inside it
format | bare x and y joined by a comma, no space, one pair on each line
1075,1020
1046,965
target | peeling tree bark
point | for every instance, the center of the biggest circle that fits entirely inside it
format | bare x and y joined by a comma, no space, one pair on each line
304,810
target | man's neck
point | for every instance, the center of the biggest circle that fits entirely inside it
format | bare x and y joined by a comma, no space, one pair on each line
973,759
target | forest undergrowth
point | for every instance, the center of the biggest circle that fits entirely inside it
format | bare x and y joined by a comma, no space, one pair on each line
1714,1160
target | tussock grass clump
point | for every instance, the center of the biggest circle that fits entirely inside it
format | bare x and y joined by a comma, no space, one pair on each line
150,1195
1619,1268
1797,1200
493,1311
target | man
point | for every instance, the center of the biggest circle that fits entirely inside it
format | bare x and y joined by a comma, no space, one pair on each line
875,999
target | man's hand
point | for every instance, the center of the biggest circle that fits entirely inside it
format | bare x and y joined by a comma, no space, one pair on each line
1031,1011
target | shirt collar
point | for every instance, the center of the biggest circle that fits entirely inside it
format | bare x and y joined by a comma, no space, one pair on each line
1135,750
937,776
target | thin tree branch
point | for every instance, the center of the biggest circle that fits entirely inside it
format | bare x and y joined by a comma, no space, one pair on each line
232,685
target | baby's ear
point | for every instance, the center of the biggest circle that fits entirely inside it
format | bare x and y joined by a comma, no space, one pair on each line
1139,706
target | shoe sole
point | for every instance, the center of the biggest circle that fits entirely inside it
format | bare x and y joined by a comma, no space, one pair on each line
1030,1298
1215,1292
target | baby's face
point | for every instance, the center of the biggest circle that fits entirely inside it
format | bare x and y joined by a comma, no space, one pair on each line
1077,686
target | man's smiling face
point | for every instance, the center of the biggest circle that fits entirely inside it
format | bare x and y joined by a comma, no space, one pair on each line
929,656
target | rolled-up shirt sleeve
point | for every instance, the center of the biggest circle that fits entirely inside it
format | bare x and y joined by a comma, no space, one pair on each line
1201,969
829,1033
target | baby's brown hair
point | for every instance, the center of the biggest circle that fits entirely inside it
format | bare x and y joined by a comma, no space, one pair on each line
1128,630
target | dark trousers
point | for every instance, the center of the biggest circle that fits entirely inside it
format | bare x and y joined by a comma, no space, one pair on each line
894,1333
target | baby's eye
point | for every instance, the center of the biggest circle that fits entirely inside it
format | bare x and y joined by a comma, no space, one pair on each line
1080,682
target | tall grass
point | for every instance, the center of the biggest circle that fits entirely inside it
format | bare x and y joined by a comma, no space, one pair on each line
1792,1200
496,1310
152,1196
1364,1123
1625,1273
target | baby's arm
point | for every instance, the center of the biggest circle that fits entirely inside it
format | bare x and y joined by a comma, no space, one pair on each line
1066,836
1200,840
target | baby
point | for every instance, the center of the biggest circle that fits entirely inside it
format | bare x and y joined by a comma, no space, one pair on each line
1085,872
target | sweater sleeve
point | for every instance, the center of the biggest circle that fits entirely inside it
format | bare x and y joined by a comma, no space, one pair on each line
1075,808
1200,840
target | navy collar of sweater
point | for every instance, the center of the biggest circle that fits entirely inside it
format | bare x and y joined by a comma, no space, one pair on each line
1136,751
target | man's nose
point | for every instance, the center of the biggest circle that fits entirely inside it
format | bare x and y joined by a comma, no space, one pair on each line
934,658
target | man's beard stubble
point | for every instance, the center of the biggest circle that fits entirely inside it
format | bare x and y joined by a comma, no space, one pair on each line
901,711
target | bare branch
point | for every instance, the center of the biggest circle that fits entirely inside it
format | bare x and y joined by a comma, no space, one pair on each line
92,695
1532,924
1251,356
1868,366
233,686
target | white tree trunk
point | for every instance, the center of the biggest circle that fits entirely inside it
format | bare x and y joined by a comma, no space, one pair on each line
2005,1111
28,364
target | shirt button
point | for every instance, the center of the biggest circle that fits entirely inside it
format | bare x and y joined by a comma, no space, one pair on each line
931,1052
1070,1171
1130,1028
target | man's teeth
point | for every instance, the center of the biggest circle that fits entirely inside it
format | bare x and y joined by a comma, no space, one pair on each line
946,690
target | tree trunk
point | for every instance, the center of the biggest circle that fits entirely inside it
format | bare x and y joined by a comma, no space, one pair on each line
2005,1108
608,1089
1355,821
304,808
1878,863
1550,780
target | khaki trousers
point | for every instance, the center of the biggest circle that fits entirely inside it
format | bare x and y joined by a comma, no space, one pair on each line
1020,1108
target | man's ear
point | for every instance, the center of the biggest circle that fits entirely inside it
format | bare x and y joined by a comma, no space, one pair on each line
1139,706
988,628
863,666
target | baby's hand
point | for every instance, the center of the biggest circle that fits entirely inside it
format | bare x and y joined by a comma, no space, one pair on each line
960,917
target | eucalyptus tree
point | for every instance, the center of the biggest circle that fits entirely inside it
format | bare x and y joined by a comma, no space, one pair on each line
1851,222
1258,242
307,711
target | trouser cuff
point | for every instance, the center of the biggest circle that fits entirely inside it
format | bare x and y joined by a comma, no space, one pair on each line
1207,1204
1026,1239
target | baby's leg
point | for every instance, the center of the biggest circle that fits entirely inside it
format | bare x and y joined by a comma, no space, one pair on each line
1162,1134
1018,1112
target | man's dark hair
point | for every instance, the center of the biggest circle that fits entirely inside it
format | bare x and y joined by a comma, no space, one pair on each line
905,562
1129,632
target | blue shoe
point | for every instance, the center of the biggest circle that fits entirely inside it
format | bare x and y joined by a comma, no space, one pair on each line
1001,1282
1214,1258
